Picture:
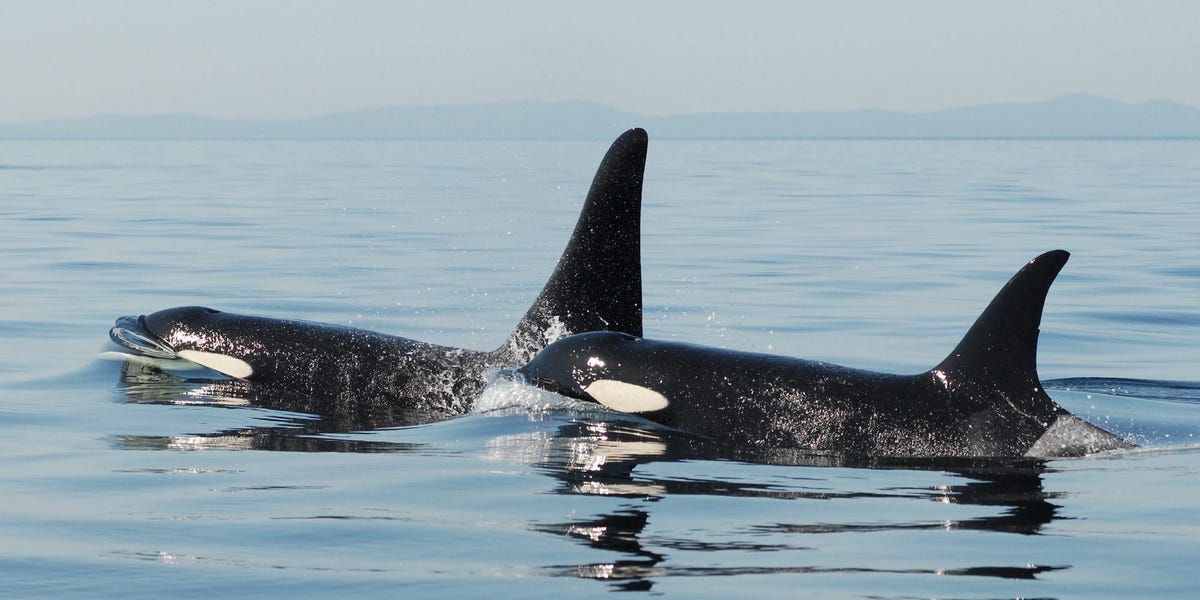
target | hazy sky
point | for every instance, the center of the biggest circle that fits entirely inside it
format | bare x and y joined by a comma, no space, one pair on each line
283,59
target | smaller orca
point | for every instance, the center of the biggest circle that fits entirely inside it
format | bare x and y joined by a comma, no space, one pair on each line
597,285
983,400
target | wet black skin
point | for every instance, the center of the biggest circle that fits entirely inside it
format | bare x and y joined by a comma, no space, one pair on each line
984,399
342,370
343,367
769,401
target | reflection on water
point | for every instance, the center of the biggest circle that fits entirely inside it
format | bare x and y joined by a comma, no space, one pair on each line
302,438
602,458
149,385
607,455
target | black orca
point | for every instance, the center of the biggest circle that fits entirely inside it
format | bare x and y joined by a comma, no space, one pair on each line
596,286
983,400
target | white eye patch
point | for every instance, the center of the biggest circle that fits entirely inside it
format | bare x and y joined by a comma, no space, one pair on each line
221,363
626,397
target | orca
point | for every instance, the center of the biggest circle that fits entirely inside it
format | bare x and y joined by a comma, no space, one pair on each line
596,286
983,400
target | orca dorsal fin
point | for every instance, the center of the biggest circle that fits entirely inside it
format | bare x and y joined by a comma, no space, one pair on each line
1002,344
597,284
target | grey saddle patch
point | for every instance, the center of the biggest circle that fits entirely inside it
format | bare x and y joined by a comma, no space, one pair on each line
1069,435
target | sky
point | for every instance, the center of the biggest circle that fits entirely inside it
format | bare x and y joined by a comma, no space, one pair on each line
282,60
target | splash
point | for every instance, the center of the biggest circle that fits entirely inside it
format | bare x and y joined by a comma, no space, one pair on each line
526,344
508,390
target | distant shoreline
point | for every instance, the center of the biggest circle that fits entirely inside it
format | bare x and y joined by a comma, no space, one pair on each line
590,139
1075,116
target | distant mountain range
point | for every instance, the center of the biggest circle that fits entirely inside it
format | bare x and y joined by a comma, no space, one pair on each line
1070,116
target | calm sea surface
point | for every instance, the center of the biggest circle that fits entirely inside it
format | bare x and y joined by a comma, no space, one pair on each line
873,254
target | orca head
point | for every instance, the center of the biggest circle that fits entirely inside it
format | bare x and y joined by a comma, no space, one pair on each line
599,366
193,333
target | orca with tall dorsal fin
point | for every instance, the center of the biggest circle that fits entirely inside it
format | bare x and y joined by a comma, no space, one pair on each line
984,399
596,286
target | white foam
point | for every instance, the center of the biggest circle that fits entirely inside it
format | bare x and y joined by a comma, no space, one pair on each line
508,390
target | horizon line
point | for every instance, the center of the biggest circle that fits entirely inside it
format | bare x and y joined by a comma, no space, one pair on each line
1014,138
453,105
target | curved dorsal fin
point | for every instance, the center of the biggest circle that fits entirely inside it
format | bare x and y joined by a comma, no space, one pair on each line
597,284
1002,344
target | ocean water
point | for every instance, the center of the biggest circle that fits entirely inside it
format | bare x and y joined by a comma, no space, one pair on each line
872,253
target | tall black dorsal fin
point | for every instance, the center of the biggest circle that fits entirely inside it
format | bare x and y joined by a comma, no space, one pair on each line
597,284
1002,344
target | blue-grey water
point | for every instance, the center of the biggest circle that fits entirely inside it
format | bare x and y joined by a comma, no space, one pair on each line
874,254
